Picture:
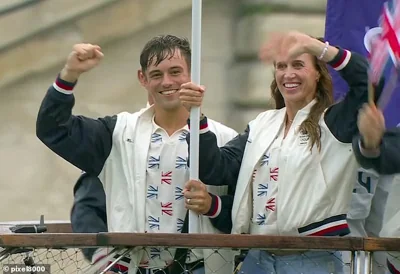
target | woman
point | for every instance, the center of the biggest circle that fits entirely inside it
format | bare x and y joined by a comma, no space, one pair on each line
293,167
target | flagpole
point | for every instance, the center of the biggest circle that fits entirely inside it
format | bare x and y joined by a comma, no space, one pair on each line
195,111
389,88
371,93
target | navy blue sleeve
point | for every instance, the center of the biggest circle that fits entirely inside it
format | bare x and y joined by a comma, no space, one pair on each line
388,161
223,205
219,166
84,142
341,118
88,213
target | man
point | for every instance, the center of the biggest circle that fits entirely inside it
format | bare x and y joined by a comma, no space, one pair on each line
367,207
376,147
88,214
140,158
391,226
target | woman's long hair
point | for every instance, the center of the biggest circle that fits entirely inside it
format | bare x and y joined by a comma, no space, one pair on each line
324,99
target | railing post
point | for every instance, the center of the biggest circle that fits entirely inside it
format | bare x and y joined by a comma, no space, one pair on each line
352,262
368,262
357,259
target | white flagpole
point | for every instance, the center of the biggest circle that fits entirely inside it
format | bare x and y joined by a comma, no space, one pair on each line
195,112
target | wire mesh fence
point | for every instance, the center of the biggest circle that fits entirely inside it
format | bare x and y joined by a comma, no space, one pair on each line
141,253
71,260
163,260
60,260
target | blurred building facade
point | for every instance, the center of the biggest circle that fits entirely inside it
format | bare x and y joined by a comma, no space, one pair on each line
40,34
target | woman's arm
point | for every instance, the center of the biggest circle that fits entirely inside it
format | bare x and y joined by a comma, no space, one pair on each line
219,166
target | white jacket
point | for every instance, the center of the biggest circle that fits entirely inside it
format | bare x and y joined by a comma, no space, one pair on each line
124,177
314,187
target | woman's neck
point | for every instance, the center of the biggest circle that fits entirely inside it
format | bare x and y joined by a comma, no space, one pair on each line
293,107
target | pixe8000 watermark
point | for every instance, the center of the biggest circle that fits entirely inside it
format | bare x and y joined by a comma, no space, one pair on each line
21,268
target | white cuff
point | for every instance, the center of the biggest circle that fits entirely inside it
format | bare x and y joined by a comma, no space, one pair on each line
62,90
369,153
217,209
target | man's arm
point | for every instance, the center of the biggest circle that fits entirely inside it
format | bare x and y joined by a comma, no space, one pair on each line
384,159
88,213
84,142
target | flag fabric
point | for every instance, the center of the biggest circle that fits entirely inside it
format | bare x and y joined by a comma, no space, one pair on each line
357,25
385,49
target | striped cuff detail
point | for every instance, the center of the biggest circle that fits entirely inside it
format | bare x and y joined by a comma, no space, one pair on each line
341,60
332,226
216,206
203,125
99,254
121,266
391,268
63,86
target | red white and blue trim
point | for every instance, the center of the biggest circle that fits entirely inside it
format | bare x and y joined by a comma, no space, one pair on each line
332,226
341,60
63,86
391,268
203,125
99,254
216,206
122,266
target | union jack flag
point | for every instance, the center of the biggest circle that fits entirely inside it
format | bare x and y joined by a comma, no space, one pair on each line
385,50
270,206
178,193
262,190
264,160
154,162
261,218
166,177
154,222
152,192
166,208
182,136
179,224
155,253
156,137
181,162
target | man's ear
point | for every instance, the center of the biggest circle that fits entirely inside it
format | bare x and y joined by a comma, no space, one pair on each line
150,99
141,77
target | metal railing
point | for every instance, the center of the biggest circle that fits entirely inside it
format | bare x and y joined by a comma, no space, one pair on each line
61,249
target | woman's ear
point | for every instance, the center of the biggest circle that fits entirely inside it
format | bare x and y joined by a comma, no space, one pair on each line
318,76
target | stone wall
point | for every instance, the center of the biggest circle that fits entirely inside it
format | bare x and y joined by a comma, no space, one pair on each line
237,84
258,19
40,36
29,172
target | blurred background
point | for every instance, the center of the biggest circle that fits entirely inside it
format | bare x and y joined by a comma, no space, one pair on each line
37,35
